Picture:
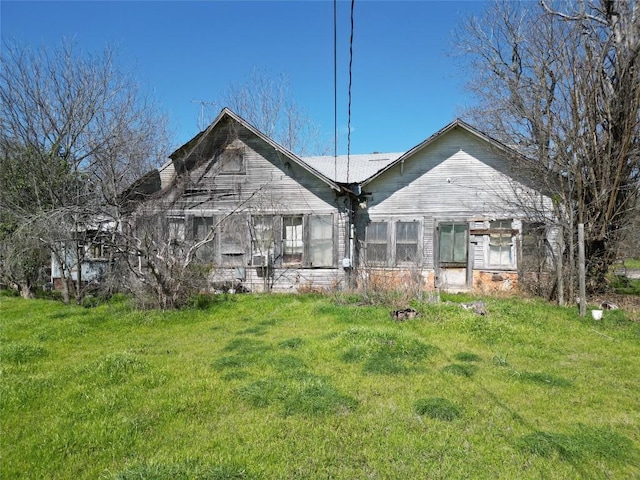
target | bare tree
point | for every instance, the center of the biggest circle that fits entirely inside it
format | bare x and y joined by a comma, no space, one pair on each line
268,104
83,130
169,257
561,83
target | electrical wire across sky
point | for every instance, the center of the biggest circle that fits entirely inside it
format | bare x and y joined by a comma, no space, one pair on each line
335,87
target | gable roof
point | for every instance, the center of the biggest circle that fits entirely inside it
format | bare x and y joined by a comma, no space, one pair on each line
457,123
225,113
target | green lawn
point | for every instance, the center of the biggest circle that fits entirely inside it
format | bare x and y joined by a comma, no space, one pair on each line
632,263
297,387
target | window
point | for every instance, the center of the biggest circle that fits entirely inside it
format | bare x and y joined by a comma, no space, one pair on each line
453,243
320,240
500,243
202,227
292,240
262,236
175,227
534,245
233,239
232,160
406,242
98,248
376,242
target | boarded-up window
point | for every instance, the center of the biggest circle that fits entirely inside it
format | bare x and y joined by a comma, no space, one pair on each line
292,239
500,244
453,243
376,242
320,241
406,242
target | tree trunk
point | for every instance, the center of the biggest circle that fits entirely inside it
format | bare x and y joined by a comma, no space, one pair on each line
25,291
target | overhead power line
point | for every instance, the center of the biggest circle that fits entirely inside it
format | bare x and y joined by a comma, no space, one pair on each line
349,102
335,87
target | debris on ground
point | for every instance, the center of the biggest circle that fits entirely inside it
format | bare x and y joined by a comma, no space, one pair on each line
404,314
607,305
478,307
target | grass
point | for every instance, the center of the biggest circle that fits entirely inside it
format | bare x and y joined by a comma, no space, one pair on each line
621,284
272,387
633,263
625,286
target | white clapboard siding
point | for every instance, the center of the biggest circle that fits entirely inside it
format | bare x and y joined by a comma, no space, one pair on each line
456,176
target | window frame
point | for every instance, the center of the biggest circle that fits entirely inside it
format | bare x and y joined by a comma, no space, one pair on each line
263,246
377,241
389,239
223,159
207,253
311,243
502,230
298,238
232,254
417,259
306,242
452,261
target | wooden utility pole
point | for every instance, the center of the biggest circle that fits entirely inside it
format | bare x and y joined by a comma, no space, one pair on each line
581,271
559,273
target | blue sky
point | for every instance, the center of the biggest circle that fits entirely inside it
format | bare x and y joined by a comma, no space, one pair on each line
405,86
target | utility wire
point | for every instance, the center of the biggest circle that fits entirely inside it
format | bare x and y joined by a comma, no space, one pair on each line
335,88
350,79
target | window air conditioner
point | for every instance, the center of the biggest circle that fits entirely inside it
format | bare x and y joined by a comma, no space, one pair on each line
261,260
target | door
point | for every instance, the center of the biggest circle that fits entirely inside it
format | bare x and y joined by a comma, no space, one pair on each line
452,256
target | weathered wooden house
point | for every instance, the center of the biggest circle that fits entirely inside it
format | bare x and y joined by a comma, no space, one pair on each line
449,212
274,221
455,212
